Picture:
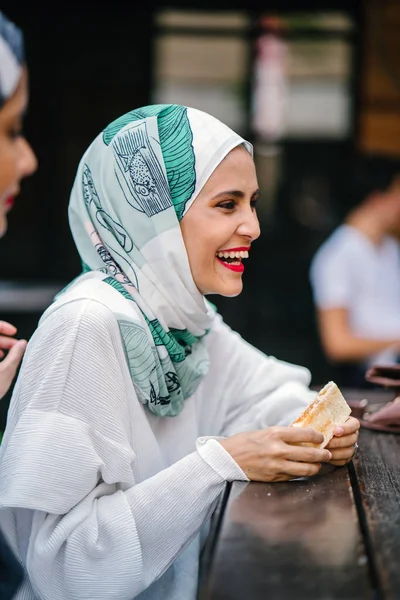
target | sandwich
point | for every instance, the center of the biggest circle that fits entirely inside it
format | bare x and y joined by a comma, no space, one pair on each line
328,410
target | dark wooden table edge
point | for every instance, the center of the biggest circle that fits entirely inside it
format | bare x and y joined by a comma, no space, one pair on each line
365,533
207,554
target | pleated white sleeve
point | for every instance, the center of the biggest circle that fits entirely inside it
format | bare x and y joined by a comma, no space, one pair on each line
254,390
98,531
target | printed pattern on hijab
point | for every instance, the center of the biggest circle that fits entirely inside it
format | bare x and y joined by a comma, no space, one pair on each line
176,146
11,57
133,186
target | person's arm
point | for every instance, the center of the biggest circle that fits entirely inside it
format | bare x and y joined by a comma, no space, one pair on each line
339,342
95,538
67,458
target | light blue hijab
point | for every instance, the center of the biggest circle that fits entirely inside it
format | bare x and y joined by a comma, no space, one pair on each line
134,184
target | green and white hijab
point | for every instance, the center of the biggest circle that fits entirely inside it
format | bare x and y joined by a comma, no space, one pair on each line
134,184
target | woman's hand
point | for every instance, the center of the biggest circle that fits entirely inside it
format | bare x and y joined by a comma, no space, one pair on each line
15,351
342,445
271,454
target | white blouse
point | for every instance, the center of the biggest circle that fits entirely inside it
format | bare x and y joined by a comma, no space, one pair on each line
351,272
101,499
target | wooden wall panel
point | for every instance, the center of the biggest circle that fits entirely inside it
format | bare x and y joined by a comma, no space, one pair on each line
379,115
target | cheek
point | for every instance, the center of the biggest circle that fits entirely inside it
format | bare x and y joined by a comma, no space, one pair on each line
8,171
207,244
196,235
203,235
200,252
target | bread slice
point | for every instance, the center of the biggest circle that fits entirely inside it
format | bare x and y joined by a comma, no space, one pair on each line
328,410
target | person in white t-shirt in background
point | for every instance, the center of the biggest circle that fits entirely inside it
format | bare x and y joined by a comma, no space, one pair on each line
355,276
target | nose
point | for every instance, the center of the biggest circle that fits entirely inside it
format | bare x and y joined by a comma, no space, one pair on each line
249,226
27,161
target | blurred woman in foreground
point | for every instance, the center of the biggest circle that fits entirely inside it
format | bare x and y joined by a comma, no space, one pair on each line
16,162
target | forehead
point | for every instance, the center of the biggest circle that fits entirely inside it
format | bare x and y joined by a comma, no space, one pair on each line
237,167
239,156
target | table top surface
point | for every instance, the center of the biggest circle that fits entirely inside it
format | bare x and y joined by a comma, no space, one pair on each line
336,535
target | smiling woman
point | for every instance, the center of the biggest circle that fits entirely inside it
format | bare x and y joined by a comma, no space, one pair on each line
136,403
16,162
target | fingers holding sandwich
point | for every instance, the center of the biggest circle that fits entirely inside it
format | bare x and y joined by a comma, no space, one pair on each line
277,453
323,432
342,445
351,427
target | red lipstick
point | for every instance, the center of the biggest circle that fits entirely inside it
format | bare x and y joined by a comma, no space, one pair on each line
238,268
9,202
240,249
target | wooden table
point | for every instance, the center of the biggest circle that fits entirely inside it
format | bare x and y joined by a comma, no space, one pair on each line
336,535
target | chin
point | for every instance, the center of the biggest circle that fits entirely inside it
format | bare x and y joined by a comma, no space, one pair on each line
229,290
228,287
3,226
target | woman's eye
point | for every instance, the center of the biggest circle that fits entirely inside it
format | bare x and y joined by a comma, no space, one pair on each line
13,134
228,205
254,203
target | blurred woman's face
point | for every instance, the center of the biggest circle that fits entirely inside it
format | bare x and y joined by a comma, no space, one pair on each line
221,224
17,159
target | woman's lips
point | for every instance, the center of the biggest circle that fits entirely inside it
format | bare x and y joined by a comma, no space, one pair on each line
241,248
237,268
9,202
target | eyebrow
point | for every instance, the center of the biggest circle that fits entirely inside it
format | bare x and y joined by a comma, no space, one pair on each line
236,193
